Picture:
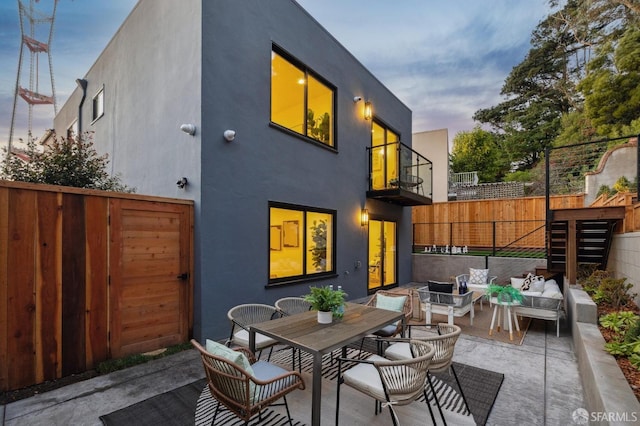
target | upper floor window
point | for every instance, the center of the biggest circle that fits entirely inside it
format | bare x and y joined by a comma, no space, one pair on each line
98,105
301,101
301,242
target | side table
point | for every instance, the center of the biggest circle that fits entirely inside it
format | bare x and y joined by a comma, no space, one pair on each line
508,315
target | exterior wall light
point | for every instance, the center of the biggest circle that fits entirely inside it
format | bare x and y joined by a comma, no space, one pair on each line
229,135
364,217
357,99
182,182
368,110
189,129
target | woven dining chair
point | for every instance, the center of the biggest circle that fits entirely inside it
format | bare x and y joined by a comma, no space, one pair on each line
247,391
444,344
388,382
406,307
290,306
242,316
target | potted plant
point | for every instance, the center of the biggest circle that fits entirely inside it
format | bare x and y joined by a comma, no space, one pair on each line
504,294
326,301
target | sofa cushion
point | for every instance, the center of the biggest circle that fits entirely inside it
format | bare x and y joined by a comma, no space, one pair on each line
537,284
517,282
551,289
478,276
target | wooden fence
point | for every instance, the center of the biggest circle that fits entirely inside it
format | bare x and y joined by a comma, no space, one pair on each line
474,221
89,275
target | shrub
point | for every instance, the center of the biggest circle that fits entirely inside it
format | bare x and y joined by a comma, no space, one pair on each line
614,291
591,283
66,162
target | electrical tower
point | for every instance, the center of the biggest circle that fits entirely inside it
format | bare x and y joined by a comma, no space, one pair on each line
36,33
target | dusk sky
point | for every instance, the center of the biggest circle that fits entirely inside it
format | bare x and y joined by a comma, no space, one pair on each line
443,59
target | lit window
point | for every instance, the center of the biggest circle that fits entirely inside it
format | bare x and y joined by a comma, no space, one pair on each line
98,105
300,101
301,242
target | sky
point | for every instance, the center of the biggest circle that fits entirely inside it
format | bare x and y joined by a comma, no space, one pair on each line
444,59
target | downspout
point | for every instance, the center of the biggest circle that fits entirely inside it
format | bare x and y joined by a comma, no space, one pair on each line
83,84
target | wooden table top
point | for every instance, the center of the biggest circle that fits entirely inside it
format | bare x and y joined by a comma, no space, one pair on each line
304,332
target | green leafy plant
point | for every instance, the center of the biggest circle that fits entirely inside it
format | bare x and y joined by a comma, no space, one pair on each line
614,291
66,162
326,299
619,322
319,249
591,283
504,294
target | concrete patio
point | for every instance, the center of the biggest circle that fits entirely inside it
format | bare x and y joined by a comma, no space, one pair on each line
541,386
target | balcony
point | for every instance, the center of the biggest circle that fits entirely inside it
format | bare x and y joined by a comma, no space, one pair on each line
399,175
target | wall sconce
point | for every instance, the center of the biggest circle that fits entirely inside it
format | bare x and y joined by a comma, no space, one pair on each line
182,182
368,110
189,129
229,135
364,217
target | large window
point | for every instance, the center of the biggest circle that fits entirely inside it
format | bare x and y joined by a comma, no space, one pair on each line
300,101
301,242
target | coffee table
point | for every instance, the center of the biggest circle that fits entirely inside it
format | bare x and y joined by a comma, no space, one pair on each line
302,331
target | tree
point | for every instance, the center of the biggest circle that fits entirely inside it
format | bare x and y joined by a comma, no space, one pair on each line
612,88
67,162
478,150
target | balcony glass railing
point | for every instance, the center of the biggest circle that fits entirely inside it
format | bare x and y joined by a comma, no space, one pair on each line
397,166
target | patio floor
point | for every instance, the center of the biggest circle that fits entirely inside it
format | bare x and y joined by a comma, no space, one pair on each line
541,387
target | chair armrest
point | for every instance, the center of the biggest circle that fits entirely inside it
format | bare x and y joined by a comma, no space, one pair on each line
247,352
491,280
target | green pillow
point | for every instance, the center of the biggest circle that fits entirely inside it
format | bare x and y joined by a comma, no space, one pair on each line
390,303
238,358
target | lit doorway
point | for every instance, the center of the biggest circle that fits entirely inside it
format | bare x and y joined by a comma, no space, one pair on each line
382,254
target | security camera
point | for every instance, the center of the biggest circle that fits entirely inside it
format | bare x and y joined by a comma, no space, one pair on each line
182,183
357,99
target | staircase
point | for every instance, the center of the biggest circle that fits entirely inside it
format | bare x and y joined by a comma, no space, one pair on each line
593,237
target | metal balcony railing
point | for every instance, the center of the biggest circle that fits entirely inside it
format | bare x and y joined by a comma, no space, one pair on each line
396,168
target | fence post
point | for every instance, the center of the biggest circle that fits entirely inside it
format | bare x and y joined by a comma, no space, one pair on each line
493,238
450,236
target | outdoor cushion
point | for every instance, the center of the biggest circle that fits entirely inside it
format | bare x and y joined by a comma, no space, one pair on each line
390,303
526,283
440,287
366,378
263,370
537,284
241,337
238,358
478,276
517,283
551,289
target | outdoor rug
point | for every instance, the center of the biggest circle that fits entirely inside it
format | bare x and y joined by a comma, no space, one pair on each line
192,402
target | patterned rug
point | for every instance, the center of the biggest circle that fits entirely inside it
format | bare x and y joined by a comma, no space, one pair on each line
177,407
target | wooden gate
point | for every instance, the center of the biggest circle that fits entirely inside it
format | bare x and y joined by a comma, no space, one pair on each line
149,273
89,275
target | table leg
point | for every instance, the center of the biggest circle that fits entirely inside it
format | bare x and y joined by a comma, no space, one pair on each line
252,340
450,315
316,389
493,320
428,313
508,309
515,321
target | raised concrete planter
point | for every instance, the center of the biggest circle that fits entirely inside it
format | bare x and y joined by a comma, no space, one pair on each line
609,398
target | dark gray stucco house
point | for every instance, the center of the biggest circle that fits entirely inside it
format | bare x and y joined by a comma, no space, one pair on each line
278,206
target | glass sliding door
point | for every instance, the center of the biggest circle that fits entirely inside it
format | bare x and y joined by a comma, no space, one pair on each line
382,254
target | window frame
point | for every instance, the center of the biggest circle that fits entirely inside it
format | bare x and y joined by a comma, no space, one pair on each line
98,99
305,276
307,71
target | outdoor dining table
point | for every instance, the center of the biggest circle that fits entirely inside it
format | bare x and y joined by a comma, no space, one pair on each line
302,331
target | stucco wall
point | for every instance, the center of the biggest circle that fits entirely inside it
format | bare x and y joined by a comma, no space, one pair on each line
434,144
620,161
624,259
445,267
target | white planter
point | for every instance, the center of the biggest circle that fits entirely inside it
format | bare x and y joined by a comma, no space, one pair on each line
325,317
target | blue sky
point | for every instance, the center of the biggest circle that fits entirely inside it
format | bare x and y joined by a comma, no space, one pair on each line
443,59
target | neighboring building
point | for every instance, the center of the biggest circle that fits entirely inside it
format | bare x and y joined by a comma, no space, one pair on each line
436,143
278,203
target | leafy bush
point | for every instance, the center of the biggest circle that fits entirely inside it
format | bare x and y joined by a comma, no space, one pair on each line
619,322
591,283
614,291
66,162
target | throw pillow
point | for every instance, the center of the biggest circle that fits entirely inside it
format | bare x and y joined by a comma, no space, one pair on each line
478,276
440,287
390,303
238,358
517,283
526,283
537,284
